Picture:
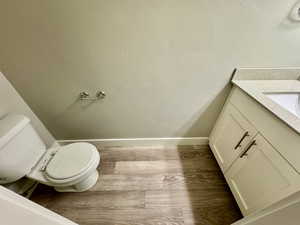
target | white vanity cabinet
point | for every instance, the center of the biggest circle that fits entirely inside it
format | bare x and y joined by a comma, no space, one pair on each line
251,157
230,136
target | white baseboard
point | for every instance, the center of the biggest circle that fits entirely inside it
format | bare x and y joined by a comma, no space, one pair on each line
144,141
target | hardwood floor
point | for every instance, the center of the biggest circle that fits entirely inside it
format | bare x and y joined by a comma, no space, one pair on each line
149,186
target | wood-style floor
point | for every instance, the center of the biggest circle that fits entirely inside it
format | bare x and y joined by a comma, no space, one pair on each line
149,186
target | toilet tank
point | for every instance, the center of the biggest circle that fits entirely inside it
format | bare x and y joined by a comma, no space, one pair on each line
20,148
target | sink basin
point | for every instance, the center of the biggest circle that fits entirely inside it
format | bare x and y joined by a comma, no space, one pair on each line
289,101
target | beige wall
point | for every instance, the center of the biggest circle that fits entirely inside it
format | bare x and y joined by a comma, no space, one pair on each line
12,102
163,63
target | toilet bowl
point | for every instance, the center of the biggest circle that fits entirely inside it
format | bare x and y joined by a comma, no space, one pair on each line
68,168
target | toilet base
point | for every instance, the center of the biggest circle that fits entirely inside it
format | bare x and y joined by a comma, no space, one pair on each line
84,185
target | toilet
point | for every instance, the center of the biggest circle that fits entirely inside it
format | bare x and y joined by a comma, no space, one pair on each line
68,168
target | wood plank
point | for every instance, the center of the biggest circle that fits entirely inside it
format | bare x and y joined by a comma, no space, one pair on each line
173,181
210,197
48,197
199,180
128,182
164,166
154,153
98,200
165,216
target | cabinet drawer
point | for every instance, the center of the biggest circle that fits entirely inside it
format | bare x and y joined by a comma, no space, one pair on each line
261,177
230,136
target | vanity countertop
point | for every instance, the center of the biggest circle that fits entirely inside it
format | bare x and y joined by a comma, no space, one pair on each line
259,82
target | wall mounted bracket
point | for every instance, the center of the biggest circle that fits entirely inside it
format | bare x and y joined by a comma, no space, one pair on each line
86,96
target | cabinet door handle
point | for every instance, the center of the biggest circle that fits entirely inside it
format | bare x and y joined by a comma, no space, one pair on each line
246,134
249,147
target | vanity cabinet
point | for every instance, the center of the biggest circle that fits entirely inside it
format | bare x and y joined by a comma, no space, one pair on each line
232,133
256,152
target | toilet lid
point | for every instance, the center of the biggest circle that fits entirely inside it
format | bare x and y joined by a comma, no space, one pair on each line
71,160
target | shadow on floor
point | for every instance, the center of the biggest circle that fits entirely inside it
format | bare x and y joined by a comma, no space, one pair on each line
211,201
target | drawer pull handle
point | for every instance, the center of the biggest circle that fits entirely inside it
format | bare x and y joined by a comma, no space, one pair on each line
249,147
246,134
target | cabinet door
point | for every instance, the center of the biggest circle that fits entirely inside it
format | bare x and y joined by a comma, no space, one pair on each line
230,136
260,177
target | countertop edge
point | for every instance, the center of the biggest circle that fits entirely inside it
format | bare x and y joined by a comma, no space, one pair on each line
292,121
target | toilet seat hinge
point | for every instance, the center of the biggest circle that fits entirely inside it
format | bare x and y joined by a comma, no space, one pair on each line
47,160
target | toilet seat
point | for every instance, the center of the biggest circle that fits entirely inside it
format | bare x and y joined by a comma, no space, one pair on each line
69,168
70,161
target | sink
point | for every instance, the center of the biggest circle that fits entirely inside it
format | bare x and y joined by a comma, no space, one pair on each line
289,101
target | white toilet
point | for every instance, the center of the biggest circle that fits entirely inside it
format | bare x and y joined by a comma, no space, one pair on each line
69,168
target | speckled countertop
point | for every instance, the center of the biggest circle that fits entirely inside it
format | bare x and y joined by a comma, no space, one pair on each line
257,82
